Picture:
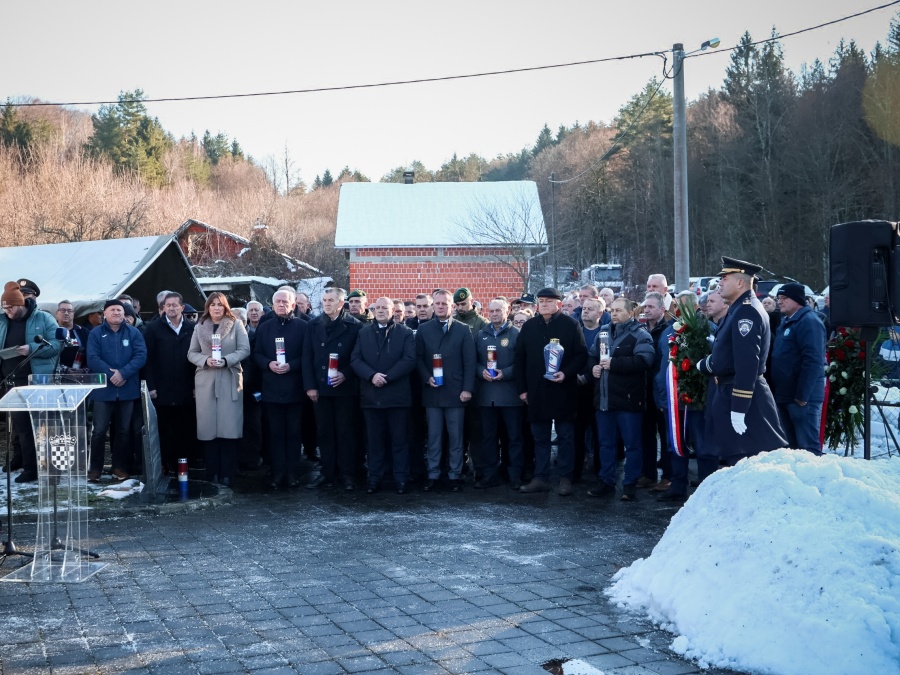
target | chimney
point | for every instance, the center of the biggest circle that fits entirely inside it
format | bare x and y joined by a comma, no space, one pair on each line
409,177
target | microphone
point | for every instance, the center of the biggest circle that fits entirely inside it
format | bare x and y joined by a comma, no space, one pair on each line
62,335
39,339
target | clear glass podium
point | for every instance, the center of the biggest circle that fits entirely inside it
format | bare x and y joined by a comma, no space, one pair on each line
57,407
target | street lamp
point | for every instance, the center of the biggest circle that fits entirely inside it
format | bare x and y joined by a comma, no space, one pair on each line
679,138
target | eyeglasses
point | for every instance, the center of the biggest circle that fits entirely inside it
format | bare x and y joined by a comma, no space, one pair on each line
518,323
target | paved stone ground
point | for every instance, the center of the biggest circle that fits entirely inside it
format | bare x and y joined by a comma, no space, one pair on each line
335,582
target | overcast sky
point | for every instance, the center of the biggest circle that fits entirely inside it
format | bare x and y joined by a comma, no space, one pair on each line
64,51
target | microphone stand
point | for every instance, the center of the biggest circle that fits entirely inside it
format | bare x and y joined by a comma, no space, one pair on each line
9,546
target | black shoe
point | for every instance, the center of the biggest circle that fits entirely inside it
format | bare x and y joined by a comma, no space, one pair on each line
513,484
456,485
486,483
629,492
15,463
293,482
402,489
27,477
673,497
429,485
372,488
602,490
348,485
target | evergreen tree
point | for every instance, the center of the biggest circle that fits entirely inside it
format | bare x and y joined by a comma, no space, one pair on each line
237,152
326,178
14,131
544,140
216,147
125,134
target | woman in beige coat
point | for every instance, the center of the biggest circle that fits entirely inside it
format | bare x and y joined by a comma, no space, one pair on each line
219,386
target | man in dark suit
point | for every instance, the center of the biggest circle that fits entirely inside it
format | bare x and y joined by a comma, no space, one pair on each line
170,379
336,396
445,398
383,358
73,356
554,397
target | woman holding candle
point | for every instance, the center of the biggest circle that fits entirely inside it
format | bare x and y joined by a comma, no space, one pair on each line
218,346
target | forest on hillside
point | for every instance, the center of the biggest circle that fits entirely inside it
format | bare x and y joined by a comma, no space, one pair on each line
775,158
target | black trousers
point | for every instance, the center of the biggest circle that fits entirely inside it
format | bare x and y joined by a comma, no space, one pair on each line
337,420
283,429
177,433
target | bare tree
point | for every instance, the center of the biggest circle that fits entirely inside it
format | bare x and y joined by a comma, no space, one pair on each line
510,231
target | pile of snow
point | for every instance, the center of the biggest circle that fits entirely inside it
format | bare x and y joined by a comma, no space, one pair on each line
787,563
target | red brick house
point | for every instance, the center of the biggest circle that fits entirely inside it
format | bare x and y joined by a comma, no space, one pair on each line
224,252
404,239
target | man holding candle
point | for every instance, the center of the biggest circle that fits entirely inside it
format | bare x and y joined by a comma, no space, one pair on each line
445,357
277,354
332,386
550,392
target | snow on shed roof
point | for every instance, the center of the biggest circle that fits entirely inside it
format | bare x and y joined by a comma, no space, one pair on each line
439,214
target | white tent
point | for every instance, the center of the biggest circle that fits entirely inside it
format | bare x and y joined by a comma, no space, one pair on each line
87,273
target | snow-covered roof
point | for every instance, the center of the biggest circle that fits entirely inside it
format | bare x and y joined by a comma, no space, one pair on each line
292,263
89,272
439,214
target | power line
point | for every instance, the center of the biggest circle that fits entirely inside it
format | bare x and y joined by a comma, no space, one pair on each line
446,78
348,87
797,32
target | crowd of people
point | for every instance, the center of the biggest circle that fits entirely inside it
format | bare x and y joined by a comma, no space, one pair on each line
435,390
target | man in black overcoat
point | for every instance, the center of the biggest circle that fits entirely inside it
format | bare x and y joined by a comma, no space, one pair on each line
550,399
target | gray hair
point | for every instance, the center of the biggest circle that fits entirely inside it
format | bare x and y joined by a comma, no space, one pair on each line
253,302
339,292
657,296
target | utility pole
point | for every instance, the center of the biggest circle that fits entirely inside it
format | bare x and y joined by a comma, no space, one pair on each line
553,229
679,138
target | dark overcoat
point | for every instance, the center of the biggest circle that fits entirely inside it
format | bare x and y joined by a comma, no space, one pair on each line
550,400
457,348
391,351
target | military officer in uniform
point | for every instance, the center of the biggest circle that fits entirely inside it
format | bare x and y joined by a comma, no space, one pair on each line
744,417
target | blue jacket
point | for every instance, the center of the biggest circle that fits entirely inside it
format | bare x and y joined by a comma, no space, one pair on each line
37,322
798,359
124,350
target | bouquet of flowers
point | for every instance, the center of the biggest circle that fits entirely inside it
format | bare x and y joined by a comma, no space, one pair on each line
846,371
688,345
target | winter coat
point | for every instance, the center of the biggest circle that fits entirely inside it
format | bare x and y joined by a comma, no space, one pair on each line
286,388
550,400
392,352
37,322
501,393
124,350
168,370
219,392
473,320
624,386
323,337
457,349
798,359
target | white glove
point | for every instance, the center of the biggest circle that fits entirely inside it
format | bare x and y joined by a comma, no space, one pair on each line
737,421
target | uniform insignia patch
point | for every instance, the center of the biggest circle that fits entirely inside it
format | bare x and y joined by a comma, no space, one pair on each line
504,342
787,331
125,343
744,326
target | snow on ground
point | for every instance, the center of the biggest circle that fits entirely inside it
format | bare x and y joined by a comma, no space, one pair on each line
787,563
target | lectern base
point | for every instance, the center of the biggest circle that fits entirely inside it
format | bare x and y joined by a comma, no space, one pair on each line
61,568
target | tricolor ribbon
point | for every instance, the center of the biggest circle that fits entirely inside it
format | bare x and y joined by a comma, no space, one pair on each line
676,435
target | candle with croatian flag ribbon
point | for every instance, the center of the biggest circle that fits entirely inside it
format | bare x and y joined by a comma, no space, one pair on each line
332,368
183,478
492,360
437,369
216,346
279,351
553,354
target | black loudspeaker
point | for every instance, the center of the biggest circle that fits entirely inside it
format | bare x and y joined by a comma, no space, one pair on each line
864,273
